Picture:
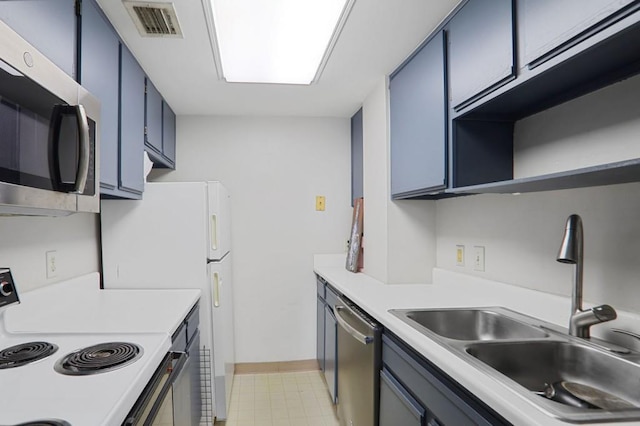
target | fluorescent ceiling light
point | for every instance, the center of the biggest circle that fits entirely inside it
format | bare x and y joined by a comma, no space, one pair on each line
276,41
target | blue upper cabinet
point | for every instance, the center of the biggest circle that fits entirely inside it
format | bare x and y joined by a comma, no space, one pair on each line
49,25
131,170
160,129
99,73
169,134
357,189
418,105
153,120
481,50
548,27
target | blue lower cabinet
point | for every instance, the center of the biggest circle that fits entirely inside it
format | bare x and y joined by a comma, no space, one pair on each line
397,406
331,352
415,392
320,333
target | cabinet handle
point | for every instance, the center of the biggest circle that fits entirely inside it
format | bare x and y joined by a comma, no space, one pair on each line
214,232
216,289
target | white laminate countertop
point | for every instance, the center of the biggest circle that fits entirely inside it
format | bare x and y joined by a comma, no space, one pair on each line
79,306
456,290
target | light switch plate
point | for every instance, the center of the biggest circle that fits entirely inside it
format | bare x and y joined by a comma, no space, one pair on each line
459,255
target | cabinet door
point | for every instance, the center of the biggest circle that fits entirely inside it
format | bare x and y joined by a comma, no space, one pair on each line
331,352
357,190
131,123
397,406
168,133
153,119
49,25
320,333
99,60
444,401
481,50
546,26
418,122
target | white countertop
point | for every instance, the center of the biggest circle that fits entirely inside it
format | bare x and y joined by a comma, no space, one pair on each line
78,305
76,313
455,290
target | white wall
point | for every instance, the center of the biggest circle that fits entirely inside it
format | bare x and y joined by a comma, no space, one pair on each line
273,167
522,233
399,236
598,128
25,240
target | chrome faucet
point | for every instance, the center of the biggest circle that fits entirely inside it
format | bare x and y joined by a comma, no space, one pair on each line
571,252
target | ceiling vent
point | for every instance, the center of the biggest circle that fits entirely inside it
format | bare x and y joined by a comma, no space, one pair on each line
154,19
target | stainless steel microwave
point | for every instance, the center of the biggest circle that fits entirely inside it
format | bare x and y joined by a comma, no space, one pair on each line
49,135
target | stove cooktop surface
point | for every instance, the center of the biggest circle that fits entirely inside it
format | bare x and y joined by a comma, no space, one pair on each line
36,391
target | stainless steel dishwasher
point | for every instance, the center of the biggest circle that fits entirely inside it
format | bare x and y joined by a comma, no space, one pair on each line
359,359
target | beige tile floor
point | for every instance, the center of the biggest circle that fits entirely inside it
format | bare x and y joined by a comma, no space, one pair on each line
281,399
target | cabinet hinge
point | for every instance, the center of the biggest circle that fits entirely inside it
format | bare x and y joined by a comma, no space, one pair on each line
145,130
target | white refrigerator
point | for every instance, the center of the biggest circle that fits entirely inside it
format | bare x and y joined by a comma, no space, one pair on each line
178,236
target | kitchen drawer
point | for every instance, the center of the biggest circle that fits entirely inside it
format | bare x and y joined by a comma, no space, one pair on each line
321,285
446,401
193,322
331,297
179,339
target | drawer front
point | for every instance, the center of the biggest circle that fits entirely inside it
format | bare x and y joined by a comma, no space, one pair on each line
332,297
321,285
443,399
193,322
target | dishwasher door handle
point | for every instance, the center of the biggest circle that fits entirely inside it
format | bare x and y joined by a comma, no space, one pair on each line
360,337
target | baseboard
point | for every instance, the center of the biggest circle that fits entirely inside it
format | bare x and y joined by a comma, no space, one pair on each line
277,367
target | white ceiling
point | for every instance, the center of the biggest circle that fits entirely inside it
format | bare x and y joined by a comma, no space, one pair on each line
378,35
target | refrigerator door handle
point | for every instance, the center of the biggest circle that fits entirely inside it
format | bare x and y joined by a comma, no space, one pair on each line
214,232
216,289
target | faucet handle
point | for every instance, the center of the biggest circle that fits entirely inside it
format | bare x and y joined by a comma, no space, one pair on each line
604,313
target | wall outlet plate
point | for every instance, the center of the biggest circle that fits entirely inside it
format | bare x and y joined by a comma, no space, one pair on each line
320,203
52,264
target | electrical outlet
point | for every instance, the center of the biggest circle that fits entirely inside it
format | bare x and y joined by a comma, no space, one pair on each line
320,202
478,258
459,255
52,264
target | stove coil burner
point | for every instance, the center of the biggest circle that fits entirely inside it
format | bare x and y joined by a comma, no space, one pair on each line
47,422
98,358
25,353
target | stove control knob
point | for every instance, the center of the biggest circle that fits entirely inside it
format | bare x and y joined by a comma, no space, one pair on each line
5,288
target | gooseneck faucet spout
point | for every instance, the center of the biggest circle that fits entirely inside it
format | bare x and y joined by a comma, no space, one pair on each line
571,252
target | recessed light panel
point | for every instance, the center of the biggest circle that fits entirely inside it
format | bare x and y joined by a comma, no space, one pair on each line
276,41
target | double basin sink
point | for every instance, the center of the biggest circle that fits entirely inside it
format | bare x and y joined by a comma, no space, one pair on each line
567,377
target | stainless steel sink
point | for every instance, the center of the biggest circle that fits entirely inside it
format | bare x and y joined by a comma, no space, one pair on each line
528,355
473,324
535,365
